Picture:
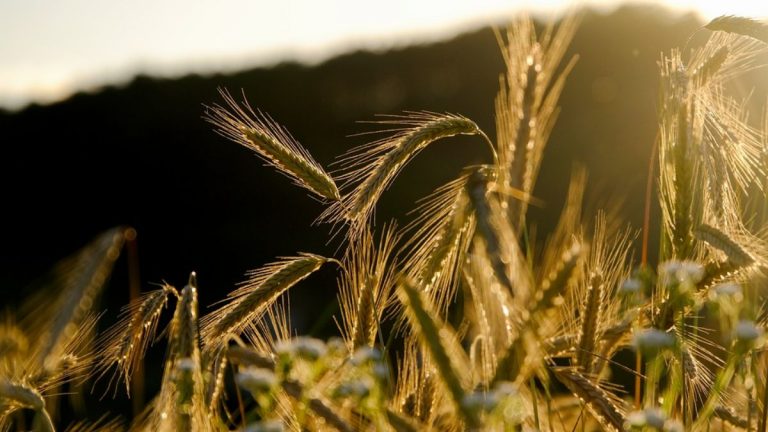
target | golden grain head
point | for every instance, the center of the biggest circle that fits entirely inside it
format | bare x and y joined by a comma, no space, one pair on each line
273,143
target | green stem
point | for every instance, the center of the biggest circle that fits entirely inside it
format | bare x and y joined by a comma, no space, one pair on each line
764,416
750,391
681,360
653,370
535,403
721,382
672,392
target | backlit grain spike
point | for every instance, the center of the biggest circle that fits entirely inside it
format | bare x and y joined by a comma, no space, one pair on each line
249,301
721,241
740,25
370,169
125,343
591,312
431,331
258,132
603,406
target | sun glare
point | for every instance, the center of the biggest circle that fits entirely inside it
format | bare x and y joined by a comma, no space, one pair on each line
50,52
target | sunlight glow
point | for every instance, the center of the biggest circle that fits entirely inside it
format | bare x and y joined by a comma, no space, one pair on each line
51,48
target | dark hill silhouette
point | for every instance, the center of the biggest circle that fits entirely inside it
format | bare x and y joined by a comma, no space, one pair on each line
141,155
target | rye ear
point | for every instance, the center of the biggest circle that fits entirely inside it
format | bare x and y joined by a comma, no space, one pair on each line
273,143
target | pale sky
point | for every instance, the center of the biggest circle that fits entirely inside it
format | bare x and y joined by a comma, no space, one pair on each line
51,48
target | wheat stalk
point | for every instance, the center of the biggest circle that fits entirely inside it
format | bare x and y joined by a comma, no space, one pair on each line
125,343
365,287
726,414
591,314
42,422
434,336
21,395
708,154
740,25
183,336
604,406
82,278
401,423
101,425
250,300
216,370
718,271
370,169
184,364
181,403
492,318
479,185
566,307
721,241
16,395
560,345
274,144
557,281
699,376
703,73
514,357
415,390
599,306
438,240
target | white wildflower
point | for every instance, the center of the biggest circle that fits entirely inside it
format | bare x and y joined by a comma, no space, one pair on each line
256,379
653,340
747,331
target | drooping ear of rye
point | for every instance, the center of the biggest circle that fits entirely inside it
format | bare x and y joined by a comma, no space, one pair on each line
258,132
721,241
14,395
740,25
249,301
402,423
370,169
730,416
604,406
